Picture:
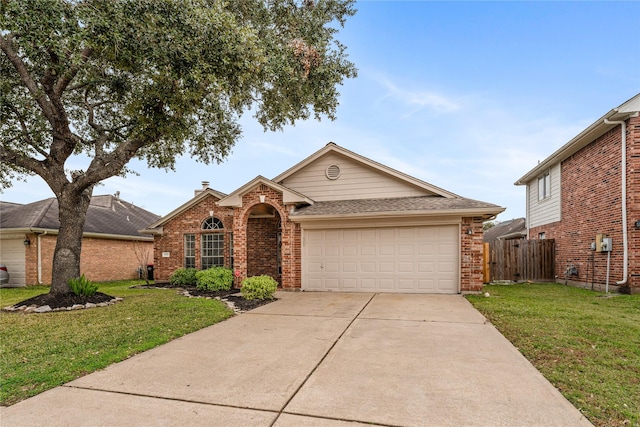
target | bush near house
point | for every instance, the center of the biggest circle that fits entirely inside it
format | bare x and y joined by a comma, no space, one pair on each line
214,279
82,286
183,277
259,287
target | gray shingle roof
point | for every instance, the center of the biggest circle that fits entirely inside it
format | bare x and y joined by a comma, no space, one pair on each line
514,228
105,215
401,204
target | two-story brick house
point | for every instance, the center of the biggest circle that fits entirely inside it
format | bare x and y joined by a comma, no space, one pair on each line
588,192
335,221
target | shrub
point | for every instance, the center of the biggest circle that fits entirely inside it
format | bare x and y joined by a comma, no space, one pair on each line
82,286
214,279
183,277
259,287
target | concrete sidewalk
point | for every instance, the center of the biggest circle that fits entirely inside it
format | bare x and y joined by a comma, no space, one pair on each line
318,359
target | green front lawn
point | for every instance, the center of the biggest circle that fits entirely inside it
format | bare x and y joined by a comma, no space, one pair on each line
585,343
42,351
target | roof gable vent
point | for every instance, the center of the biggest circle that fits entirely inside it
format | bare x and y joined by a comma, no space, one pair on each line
333,172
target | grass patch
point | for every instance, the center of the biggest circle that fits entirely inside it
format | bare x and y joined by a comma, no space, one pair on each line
587,344
42,351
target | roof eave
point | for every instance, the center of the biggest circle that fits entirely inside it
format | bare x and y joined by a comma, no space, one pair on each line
289,196
209,192
584,138
487,213
52,231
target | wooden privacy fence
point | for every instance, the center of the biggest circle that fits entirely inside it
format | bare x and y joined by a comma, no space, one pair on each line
519,260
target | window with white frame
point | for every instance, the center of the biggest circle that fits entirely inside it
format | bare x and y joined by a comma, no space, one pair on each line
189,251
212,244
212,250
544,186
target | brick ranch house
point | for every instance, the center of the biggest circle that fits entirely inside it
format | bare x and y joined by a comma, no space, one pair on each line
110,241
589,189
335,221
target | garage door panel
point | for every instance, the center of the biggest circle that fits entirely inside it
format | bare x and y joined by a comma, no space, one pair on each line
350,284
406,250
367,267
387,250
406,267
393,259
386,267
386,284
350,267
350,250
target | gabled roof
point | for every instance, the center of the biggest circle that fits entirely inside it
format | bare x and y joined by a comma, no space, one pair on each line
333,147
200,195
630,108
289,196
417,206
512,229
106,215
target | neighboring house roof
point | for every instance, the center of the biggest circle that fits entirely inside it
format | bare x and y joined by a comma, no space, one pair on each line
107,215
584,138
423,205
512,229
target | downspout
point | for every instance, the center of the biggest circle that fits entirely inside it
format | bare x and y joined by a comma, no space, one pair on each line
625,244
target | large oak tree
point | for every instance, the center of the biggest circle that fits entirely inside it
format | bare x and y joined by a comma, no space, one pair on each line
152,79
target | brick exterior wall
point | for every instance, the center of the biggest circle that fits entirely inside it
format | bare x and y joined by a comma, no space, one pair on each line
471,255
171,242
590,204
102,260
255,241
262,245
246,229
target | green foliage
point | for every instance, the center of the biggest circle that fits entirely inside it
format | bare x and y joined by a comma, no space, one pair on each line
96,83
214,279
259,287
82,286
183,277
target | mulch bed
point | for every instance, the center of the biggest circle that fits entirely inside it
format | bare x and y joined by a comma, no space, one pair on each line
69,300
232,295
64,300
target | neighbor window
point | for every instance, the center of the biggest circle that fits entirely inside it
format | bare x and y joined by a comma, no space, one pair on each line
542,236
189,251
544,186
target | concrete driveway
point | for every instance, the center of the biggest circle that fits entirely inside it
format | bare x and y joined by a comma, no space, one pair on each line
318,359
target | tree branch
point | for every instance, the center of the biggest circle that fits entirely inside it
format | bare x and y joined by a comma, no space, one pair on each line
6,45
70,74
25,132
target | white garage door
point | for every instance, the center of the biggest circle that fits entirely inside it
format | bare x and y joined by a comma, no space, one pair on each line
12,255
395,259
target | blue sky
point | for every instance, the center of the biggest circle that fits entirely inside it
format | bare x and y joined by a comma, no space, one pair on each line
467,96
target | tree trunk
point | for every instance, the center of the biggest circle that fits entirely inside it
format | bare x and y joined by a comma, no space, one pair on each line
72,205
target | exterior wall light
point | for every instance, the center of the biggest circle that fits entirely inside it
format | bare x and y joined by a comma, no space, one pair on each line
469,231
638,224
26,242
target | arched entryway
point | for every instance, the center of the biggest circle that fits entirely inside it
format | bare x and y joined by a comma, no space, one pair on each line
264,242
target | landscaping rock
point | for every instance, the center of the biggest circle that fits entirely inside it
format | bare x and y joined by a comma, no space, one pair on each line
90,305
42,309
